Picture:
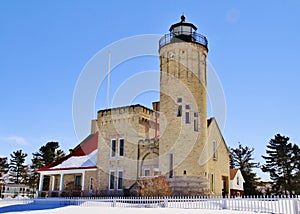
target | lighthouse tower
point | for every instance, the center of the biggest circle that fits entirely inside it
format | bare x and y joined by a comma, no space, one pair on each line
183,155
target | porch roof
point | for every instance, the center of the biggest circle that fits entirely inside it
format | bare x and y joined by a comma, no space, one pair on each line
83,156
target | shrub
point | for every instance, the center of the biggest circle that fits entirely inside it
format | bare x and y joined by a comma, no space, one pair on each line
154,187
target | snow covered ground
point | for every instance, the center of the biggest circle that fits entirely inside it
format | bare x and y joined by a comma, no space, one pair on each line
112,210
132,206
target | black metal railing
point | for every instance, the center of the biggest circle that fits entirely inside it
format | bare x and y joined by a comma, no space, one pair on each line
183,37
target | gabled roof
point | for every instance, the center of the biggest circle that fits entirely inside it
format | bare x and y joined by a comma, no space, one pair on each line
81,157
212,121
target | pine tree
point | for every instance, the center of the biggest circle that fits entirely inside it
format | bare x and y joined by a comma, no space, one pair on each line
3,166
242,158
281,163
46,155
3,170
17,167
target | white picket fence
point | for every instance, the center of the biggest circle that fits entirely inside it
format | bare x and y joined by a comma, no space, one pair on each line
288,205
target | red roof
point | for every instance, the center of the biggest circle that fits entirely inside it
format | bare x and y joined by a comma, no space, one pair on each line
86,147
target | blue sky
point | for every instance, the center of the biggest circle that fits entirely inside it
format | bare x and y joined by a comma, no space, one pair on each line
253,46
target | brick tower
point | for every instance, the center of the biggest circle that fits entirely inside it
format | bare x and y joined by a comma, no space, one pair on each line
183,109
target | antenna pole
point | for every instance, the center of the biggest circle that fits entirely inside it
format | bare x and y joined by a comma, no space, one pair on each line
108,81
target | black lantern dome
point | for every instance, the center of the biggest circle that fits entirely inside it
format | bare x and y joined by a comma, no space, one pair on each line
183,32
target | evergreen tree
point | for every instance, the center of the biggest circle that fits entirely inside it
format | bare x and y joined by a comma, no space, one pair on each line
49,153
3,170
282,162
17,167
46,155
3,166
242,158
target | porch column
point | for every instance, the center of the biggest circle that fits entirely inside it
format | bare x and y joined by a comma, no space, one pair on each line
82,180
61,184
41,182
53,183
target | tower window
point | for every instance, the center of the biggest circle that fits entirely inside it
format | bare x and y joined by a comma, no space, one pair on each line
121,147
195,114
187,107
184,172
196,125
179,111
179,100
120,180
187,117
112,180
113,148
171,166
212,183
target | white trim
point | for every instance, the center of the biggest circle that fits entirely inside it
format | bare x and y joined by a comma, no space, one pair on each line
110,150
41,182
119,147
118,179
109,177
82,181
53,182
61,184
66,171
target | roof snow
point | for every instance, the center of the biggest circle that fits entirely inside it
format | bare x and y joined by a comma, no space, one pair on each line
79,161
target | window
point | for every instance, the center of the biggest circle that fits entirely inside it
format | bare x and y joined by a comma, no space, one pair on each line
121,147
171,166
179,100
187,117
196,125
237,180
212,183
184,172
120,180
112,180
195,114
113,148
77,180
179,111
91,183
214,150
187,107
147,172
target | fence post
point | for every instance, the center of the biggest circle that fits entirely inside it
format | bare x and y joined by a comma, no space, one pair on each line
165,202
224,207
295,202
114,202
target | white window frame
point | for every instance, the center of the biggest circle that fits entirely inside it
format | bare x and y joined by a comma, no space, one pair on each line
119,147
119,178
111,148
146,169
109,179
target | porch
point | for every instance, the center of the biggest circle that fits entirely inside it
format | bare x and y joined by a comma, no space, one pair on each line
67,183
